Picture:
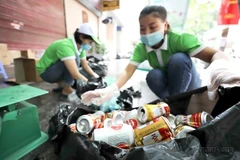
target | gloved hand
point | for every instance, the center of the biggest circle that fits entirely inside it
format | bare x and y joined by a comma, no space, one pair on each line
81,85
222,73
99,96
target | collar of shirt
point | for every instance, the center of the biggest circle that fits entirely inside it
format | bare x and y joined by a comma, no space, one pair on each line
75,46
163,47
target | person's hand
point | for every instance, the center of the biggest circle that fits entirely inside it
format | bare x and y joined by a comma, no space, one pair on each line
222,73
80,84
95,75
99,96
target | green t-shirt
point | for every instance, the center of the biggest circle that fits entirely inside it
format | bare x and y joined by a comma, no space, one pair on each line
59,50
173,43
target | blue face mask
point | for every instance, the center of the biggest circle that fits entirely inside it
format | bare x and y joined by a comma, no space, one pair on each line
86,47
152,39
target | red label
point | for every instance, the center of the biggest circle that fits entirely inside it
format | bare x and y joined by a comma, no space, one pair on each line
165,133
133,123
123,146
117,127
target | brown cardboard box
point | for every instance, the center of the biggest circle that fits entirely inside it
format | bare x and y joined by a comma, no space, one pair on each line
28,54
4,54
25,70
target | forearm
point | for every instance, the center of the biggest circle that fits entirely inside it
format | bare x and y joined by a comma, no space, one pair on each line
123,78
79,76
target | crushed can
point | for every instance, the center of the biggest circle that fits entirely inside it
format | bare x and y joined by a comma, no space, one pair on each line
117,116
182,130
86,123
194,120
149,112
117,135
153,132
131,118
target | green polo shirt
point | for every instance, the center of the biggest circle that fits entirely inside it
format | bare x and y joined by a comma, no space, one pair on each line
63,49
173,43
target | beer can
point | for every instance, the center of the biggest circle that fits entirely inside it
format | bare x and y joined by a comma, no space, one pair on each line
153,131
118,135
113,114
86,123
182,130
171,118
131,119
149,112
107,123
195,120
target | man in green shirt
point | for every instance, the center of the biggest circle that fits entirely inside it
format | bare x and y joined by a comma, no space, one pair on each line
167,52
60,62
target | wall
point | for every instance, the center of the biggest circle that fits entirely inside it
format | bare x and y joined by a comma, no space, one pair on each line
74,16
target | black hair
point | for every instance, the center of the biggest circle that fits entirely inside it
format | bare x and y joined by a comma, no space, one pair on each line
77,35
156,11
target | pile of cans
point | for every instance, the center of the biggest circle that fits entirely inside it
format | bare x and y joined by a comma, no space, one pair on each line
149,124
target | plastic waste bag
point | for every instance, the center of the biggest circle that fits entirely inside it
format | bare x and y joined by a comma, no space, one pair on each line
217,140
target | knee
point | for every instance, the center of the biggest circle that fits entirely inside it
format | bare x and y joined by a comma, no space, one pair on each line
180,58
154,75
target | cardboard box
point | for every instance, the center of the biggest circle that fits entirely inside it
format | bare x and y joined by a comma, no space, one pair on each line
4,54
28,54
25,70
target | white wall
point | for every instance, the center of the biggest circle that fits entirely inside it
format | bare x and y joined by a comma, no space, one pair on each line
73,10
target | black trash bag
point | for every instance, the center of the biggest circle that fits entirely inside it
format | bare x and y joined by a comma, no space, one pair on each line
97,66
92,84
227,98
125,99
66,114
221,137
76,146
217,140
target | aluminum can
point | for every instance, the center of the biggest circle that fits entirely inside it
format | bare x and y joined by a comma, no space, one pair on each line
171,119
119,135
195,120
131,118
149,112
182,130
86,123
117,116
153,132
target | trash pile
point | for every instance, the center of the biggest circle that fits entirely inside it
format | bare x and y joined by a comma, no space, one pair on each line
149,124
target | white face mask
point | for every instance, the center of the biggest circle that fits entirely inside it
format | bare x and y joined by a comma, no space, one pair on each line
153,38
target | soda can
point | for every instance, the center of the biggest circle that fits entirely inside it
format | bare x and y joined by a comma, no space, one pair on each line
131,119
86,123
194,120
182,130
117,116
153,131
149,112
117,135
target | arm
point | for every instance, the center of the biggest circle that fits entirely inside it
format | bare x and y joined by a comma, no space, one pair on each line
209,55
73,69
86,67
126,75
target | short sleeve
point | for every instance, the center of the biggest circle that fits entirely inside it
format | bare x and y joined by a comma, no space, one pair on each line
189,44
65,52
83,54
138,55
